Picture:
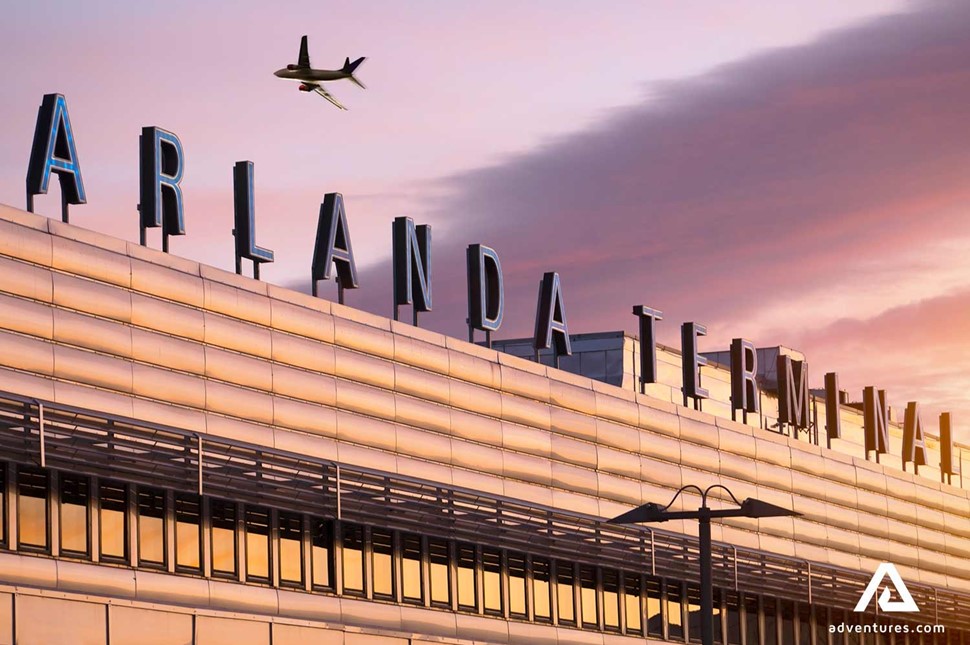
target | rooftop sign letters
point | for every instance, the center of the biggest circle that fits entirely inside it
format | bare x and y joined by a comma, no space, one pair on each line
162,166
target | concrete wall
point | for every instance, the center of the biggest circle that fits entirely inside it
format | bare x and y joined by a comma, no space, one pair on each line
98,322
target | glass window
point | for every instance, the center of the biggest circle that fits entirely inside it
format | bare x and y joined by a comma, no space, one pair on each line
718,597
467,596
541,588
732,603
611,600
352,550
632,605
223,537
492,580
786,620
675,611
440,573
587,595
771,621
75,494
383,571
411,568
565,598
694,613
655,621
752,626
291,548
322,553
151,527
32,487
257,543
517,605
113,520
821,616
3,500
188,531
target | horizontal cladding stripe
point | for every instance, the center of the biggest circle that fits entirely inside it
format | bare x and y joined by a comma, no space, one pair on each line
529,381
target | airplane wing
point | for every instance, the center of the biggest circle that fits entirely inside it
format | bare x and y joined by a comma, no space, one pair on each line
327,95
304,59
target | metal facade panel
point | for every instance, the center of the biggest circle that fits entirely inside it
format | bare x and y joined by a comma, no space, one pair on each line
302,352
573,451
89,261
229,596
167,351
301,320
572,478
475,427
284,634
617,436
659,421
6,619
210,630
699,457
93,333
160,315
473,398
612,407
93,369
423,445
417,620
568,422
26,353
304,417
704,434
362,429
238,369
577,398
81,623
362,368
239,336
362,338
160,587
236,303
27,317
365,399
618,462
25,243
370,614
537,470
527,411
161,281
91,297
27,280
529,440
419,383
149,627
427,356
473,368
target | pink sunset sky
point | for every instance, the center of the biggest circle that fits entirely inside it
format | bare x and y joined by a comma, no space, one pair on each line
794,173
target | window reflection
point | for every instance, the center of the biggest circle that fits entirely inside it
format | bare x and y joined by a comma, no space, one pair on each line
541,590
675,616
411,568
587,584
291,548
440,573
752,627
3,499
223,537
632,605
733,607
492,580
151,527
257,543
516,564
655,622
786,617
383,545
74,514
113,520
353,558
804,624
771,622
694,613
322,555
822,623
611,600
188,531
467,595
565,599
32,486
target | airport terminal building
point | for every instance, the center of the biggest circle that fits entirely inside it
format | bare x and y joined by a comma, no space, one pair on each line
192,456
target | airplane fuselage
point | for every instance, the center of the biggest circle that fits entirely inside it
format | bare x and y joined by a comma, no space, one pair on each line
311,75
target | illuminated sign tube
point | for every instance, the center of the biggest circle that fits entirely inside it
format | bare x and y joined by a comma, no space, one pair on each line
244,214
333,247
54,151
160,173
486,291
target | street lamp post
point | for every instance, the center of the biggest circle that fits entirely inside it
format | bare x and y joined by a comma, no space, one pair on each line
750,507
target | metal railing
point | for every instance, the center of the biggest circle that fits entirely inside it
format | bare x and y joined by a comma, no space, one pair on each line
106,445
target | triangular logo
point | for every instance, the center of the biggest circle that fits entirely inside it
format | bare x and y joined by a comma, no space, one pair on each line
906,602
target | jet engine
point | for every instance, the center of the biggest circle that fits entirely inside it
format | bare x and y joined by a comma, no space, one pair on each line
305,88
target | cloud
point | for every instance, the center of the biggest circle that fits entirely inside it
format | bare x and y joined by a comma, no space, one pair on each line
767,198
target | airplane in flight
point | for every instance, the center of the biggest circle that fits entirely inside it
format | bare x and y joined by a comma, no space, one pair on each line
311,79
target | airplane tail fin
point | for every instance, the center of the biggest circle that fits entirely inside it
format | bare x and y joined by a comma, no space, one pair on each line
349,68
